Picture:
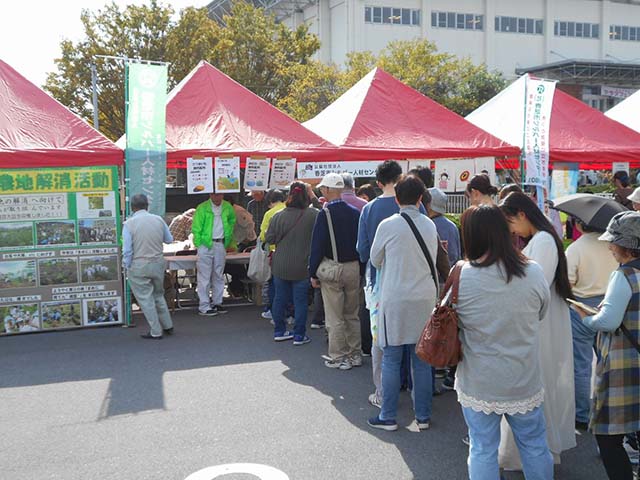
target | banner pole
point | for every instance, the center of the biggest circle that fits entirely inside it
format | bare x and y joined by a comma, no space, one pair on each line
127,287
524,136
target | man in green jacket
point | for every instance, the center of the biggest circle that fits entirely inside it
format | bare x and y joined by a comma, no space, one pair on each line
212,230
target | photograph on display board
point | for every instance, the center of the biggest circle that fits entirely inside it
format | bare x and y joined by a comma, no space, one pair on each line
61,314
60,232
16,235
18,274
58,271
19,318
96,204
99,269
96,231
102,310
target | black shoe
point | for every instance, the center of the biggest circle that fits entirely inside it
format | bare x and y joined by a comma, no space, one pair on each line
582,426
448,383
212,312
168,331
219,309
148,336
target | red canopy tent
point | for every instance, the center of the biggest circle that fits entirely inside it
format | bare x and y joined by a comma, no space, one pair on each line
208,113
38,131
381,118
578,133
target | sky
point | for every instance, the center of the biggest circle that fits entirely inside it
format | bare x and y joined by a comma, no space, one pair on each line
31,32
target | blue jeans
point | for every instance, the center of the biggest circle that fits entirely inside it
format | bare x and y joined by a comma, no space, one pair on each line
421,376
530,436
287,291
583,341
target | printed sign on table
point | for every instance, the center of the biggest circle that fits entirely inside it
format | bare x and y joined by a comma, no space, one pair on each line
199,175
283,172
256,174
227,174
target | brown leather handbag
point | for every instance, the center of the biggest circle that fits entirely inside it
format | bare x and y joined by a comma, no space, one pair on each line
439,344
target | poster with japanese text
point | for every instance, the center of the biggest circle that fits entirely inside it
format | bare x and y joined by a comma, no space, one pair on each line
256,174
59,248
283,172
227,174
199,175
620,167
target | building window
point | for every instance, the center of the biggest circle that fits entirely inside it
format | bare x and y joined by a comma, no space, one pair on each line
459,21
518,25
576,29
392,15
624,32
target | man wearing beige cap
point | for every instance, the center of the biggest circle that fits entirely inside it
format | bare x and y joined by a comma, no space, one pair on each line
333,245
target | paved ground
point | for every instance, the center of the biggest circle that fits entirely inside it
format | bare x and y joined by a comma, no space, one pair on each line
105,404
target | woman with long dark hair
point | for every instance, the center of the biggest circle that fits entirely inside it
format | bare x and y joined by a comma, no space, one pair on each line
555,347
479,190
502,297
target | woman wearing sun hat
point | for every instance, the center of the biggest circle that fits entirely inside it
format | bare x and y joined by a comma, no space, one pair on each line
635,199
616,409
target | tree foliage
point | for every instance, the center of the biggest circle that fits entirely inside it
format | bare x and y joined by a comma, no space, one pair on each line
268,58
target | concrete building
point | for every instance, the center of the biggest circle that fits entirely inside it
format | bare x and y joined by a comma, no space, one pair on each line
591,46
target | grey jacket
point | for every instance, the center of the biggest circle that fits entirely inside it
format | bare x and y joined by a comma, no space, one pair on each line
407,291
499,324
293,244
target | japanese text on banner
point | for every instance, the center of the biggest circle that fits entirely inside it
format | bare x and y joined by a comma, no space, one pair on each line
539,101
56,181
146,148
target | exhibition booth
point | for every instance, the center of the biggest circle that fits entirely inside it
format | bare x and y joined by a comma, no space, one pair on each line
59,215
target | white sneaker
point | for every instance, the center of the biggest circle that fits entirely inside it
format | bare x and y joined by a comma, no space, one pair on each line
375,401
266,315
343,364
356,360
631,453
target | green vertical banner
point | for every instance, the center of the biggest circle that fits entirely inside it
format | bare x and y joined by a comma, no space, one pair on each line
146,151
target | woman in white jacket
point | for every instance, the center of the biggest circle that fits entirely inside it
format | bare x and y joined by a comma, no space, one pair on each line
407,295
556,348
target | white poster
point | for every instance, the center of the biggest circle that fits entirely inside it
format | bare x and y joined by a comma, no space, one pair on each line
96,204
256,174
620,166
34,207
415,163
227,174
539,101
199,175
283,172
317,170
453,175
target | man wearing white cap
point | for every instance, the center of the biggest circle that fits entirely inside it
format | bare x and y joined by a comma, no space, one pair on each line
333,248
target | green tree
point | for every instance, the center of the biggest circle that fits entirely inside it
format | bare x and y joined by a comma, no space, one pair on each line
454,82
135,32
314,87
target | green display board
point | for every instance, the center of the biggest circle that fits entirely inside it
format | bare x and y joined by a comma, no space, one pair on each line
59,249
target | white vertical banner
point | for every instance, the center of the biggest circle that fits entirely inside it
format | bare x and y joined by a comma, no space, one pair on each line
535,152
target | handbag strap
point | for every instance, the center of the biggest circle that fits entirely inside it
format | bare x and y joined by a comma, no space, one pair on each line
332,236
453,283
627,334
291,229
423,247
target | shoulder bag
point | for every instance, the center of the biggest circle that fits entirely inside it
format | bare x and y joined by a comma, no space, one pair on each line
439,344
330,270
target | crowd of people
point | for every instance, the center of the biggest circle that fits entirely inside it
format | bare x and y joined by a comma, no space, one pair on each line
524,382
375,264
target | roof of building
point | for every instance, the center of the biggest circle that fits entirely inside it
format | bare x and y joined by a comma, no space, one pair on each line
210,113
627,112
38,131
578,133
380,117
